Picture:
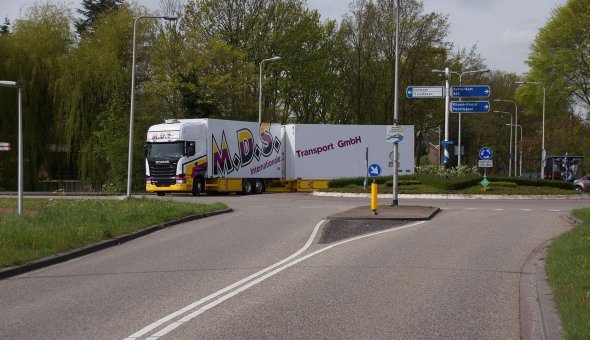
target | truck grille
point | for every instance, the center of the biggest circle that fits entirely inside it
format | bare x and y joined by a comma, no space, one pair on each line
163,174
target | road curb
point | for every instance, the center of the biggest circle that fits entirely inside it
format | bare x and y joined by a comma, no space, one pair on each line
538,317
95,247
454,196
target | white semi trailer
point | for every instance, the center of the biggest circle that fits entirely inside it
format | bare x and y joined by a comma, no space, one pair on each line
211,155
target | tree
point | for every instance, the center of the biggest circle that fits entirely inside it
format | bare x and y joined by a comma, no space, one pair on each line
5,27
560,55
92,10
31,54
91,77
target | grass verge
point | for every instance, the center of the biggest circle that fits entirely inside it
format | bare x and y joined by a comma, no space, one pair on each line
52,226
568,270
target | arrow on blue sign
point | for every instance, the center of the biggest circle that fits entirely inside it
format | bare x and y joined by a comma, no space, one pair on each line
374,170
473,91
470,107
485,153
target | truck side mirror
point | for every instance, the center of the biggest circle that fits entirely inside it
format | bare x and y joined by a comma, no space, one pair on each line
190,149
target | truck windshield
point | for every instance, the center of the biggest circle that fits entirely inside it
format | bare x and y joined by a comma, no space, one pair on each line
165,150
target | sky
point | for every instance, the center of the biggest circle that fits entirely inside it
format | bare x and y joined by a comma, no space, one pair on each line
502,29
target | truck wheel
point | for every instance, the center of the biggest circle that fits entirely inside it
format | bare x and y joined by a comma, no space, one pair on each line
197,187
161,194
247,186
259,186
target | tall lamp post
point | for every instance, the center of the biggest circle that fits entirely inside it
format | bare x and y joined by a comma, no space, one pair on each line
395,202
19,86
260,88
543,151
520,149
510,147
515,132
447,73
132,110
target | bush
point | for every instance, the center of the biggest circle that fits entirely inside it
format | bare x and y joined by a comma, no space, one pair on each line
505,184
360,181
440,171
533,182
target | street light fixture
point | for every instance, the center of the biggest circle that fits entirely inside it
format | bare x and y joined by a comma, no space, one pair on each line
132,110
510,147
260,88
515,132
19,86
543,151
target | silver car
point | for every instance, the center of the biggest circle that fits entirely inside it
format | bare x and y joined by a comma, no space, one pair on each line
583,184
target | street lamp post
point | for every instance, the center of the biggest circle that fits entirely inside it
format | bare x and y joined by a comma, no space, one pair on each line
260,88
395,201
19,86
510,147
543,151
447,73
132,109
520,149
515,132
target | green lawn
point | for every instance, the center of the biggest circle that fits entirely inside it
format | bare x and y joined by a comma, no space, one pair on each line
568,269
52,226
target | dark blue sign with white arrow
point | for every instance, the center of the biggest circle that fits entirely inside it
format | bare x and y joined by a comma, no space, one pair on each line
472,91
485,153
470,107
374,170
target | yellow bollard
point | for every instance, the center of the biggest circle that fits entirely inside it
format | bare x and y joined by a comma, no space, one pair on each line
374,190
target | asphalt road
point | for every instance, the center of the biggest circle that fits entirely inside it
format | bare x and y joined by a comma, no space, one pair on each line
456,276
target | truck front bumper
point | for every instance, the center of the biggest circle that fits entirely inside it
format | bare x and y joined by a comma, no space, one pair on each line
170,188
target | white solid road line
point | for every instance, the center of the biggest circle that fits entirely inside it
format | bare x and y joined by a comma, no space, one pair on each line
192,306
244,286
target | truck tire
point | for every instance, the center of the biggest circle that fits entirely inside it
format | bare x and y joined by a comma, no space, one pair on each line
161,194
197,187
258,186
247,187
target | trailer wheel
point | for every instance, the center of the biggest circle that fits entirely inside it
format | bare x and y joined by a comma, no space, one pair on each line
247,187
197,187
259,186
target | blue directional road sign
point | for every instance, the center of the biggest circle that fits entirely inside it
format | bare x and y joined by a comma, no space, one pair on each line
447,142
374,170
470,107
425,91
485,153
473,91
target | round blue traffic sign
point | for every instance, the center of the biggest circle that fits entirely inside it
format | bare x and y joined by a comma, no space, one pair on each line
374,170
485,153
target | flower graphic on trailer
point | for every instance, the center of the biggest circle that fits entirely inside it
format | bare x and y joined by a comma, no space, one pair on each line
222,164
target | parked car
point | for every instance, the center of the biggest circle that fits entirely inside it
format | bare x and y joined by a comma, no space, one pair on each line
530,175
583,184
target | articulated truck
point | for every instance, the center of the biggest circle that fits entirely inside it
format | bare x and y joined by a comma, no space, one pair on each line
214,156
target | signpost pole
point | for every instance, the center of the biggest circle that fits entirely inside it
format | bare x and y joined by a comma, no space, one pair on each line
446,151
20,151
394,203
